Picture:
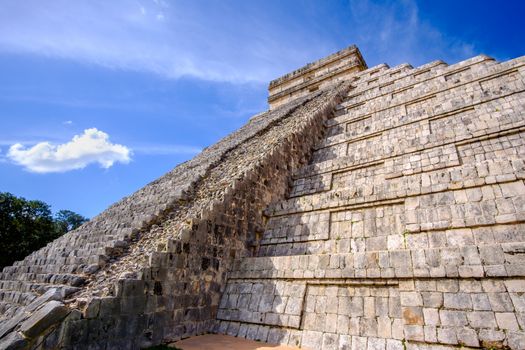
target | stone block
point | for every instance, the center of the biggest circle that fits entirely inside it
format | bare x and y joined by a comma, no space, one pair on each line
432,299
515,285
447,335
376,344
411,299
414,332
13,341
392,344
345,342
480,301
457,301
431,316
50,294
467,337
130,288
500,302
453,318
8,325
330,341
481,319
413,315
491,338
516,340
507,321
43,318
312,339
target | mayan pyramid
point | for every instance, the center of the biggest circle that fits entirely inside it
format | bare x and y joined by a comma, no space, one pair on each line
369,208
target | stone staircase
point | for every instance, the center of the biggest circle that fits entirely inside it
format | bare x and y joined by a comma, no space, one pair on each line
407,228
150,269
68,263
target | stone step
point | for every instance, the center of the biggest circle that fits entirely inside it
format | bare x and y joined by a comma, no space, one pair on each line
448,182
70,265
74,261
361,236
86,249
15,296
426,160
401,75
419,81
9,290
40,264
426,74
498,116
372,126
18,297
466,261
66,279
371,86
9,310
93,237
76,255
432,166
487,81
371,314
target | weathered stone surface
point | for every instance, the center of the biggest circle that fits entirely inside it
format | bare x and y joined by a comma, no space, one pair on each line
51,294
384,210
8,325
48,315
13,341
406,214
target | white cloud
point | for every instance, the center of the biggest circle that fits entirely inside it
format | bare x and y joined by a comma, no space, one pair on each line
92,146
220,41
173,40
68,122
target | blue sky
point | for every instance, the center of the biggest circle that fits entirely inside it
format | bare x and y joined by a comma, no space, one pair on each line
98,98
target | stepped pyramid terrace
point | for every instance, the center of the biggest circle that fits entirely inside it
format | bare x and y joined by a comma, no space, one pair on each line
378,208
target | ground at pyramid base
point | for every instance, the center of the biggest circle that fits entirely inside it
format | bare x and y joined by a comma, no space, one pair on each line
225,342
376,208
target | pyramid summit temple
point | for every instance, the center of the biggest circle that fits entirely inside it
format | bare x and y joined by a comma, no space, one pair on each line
370,208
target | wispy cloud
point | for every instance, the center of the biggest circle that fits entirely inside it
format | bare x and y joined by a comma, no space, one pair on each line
93,146
220,41
172,39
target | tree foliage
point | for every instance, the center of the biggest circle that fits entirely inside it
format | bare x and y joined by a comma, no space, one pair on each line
28,225
68,220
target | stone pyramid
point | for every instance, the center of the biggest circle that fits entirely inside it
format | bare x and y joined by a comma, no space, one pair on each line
369,208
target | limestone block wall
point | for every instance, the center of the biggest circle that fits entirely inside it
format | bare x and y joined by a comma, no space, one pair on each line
324,72
407,228
165,279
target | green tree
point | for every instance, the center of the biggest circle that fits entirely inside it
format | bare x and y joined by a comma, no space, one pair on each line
67,220
28,225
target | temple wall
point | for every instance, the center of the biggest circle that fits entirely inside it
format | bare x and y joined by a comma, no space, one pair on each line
407,228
